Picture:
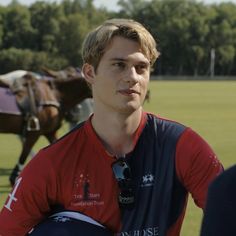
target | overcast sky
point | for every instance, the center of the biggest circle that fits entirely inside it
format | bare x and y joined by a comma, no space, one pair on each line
109,4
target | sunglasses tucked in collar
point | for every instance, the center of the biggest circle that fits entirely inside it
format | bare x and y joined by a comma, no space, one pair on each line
122,173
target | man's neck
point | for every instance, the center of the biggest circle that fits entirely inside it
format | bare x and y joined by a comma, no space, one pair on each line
117,131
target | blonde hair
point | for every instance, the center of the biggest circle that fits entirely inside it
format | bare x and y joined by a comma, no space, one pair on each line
96,41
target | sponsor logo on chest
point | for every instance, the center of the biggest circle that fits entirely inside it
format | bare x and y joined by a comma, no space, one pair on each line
83,195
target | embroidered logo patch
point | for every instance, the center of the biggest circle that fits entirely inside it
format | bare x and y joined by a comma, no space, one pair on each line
147,180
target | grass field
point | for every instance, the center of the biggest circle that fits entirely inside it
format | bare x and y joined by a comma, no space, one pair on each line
209,107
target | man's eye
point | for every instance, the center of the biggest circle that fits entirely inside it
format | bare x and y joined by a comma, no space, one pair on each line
119,65
141,68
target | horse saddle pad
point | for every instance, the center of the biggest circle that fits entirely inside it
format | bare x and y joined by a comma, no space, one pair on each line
8,103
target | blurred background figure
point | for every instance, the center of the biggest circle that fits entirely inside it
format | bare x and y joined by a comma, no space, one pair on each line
80,112
220,212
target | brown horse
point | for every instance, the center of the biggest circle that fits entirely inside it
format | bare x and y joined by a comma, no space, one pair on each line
53,99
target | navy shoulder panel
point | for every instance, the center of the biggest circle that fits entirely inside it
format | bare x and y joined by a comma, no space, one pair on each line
165,128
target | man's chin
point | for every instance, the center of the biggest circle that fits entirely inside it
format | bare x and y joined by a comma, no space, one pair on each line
130,108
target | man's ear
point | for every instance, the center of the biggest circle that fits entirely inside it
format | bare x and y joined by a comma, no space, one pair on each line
89,73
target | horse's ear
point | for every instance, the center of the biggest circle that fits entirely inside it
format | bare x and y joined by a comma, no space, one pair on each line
89,73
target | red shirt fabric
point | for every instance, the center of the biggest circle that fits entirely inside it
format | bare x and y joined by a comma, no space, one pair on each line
60,174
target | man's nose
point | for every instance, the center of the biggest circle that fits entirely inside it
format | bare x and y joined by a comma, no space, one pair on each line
131,75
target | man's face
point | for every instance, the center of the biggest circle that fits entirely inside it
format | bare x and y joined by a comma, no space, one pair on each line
121,79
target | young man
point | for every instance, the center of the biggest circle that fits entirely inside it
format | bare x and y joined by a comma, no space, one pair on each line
220,212
129,170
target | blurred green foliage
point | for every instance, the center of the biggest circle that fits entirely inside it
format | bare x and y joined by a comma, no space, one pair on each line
186,31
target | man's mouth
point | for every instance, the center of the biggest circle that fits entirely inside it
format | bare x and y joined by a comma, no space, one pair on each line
128,92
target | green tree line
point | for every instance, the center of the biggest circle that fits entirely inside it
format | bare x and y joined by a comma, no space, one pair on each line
194,38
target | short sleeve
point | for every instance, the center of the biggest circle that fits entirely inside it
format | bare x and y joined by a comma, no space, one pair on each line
196,165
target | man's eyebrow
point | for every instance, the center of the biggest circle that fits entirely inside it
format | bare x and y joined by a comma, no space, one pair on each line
125,60
118,59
